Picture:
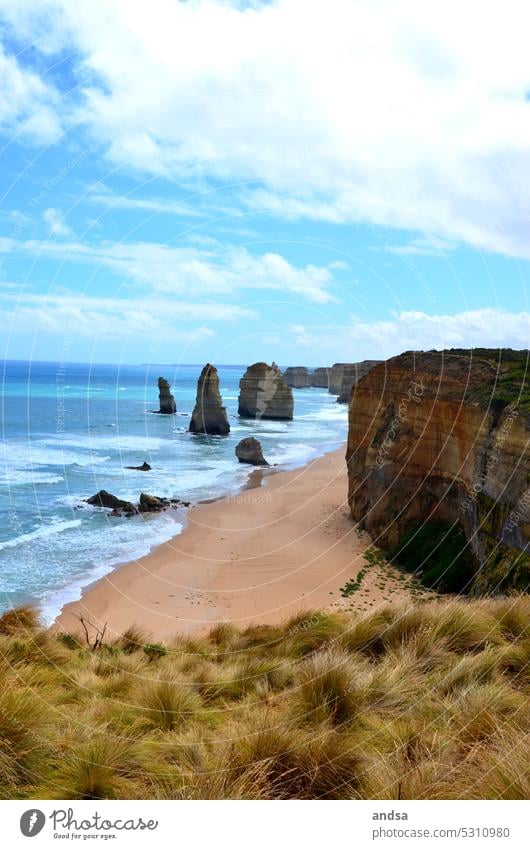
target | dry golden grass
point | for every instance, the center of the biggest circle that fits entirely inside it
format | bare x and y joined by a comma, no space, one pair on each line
427,701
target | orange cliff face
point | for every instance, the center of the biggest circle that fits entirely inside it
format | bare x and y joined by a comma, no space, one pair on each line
443,437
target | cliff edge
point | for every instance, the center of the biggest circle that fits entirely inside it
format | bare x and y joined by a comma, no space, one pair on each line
439,465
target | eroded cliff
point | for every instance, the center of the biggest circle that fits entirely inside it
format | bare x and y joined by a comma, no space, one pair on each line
439,465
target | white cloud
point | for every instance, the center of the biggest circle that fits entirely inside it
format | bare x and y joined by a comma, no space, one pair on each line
415,330
26,102
419,247
115,318
54,220
154,205
175,310
348,110
188,269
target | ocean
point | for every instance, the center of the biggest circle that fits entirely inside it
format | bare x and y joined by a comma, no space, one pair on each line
70,429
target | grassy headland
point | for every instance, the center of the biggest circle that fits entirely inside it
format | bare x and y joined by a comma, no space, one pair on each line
406,702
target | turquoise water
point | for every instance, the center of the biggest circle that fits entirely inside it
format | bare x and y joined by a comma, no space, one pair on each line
69,430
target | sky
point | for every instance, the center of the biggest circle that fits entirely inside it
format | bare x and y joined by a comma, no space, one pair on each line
304,182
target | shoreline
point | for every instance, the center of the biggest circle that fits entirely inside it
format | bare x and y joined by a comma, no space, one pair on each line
52,606
284,544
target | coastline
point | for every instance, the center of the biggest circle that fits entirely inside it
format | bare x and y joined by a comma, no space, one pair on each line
174,521
284,544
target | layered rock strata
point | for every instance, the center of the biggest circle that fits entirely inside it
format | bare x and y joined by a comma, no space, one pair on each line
264,394
209,416
443,437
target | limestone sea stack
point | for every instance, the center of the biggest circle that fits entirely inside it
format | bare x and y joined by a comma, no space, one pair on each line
297,376
335,378
167,402
264,393
439,465
351,373
249,451
209,415
320,378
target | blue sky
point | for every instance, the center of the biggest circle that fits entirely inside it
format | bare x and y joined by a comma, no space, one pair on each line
222,181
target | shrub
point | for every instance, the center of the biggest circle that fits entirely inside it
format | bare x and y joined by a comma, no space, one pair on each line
367,633
291,765
309,631
154,651
513,616
23,725
224,635
133,639
325,690
465,626
95,769
168,704
19,620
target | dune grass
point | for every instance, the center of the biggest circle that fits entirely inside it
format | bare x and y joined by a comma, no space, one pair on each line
427,701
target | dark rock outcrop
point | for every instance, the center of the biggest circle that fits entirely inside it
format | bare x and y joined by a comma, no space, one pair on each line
167,403
209,415
297,376
320,378
109,501
249,451
351,373
264,393
155,504
147,503
441,440
145,467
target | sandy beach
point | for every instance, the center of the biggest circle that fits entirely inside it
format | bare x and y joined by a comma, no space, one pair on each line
284,544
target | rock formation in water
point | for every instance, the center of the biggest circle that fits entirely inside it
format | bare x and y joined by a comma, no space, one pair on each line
297,376
335,378
145,467
155,503
264,394
439,465
320,378
209,415
167,402
249,451
109,501
146,504
351,373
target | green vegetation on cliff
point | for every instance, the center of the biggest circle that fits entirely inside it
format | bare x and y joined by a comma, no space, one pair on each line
440,555
426,701
508,382
443,560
